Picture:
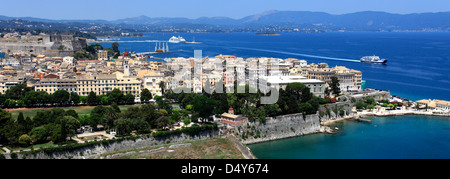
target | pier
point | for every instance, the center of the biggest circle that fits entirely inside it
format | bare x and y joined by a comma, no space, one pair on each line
363,120
137,41
154,53
160,48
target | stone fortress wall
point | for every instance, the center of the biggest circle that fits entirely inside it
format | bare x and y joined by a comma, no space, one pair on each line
47,45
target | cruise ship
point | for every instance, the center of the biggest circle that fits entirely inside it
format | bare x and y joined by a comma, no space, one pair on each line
177,40
373,59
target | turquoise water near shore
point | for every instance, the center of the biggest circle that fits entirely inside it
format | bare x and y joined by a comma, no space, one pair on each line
398,137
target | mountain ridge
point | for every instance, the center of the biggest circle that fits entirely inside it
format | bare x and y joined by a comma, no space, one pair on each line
364,20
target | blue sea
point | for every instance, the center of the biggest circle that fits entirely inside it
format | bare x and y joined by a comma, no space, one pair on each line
418,68
400,137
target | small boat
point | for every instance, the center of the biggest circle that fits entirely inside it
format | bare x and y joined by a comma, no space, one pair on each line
373,59
194,42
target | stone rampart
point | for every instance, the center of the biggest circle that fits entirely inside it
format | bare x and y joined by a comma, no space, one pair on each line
95,151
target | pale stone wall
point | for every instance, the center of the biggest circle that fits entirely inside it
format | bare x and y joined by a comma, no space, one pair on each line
95,151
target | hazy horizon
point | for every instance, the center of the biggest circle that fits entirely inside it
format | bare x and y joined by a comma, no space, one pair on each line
215,16
235,9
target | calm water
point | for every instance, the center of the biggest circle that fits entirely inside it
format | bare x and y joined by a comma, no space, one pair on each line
418,68
402,137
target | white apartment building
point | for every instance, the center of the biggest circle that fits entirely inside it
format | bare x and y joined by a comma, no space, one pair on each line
151,82
317,87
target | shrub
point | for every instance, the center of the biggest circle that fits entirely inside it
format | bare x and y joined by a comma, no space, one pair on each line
25,140
192,131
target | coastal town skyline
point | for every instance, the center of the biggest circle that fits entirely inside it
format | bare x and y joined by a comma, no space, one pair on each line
289,79
116,9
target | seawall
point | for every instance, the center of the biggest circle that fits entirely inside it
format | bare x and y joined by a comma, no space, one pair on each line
281,127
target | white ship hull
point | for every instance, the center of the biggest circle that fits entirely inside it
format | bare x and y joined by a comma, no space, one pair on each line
373,60
177,40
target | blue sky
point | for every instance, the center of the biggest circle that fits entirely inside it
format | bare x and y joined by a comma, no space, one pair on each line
118,9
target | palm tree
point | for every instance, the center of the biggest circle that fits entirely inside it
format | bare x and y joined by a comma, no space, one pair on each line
162,85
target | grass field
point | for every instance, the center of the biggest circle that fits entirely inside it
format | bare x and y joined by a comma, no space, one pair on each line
81,110
214,148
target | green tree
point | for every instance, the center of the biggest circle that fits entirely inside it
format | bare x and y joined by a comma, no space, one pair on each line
23,125
116,108
115,47
186,121
25,140
104,100
84,99
272,110
204,107
72,113
299,91
163,103
162,85
71,125
5,117
129,98
31,99
97,116
39,134
361,105
163,122
110,116
140,125
92,99
146,96
175,116
123,126
75,98
334,85
61,97
58,133
17,92
116,96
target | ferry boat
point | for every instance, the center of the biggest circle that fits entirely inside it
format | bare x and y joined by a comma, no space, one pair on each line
178,39
268,34
373,59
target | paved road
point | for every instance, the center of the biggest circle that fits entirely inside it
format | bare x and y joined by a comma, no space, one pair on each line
6,149
244,149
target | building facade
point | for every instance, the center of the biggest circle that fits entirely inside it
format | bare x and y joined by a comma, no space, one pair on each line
151,82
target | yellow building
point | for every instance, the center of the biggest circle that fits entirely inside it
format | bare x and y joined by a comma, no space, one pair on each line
104,83
8,82
51,85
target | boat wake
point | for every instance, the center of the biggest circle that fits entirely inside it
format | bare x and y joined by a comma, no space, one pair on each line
298,54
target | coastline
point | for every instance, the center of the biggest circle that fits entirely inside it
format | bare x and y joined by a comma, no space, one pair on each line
360,115
327,130
402,113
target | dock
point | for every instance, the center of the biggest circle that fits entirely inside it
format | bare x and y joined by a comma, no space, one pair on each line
363,120
137,41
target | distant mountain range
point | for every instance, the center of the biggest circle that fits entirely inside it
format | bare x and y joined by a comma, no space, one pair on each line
360,21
